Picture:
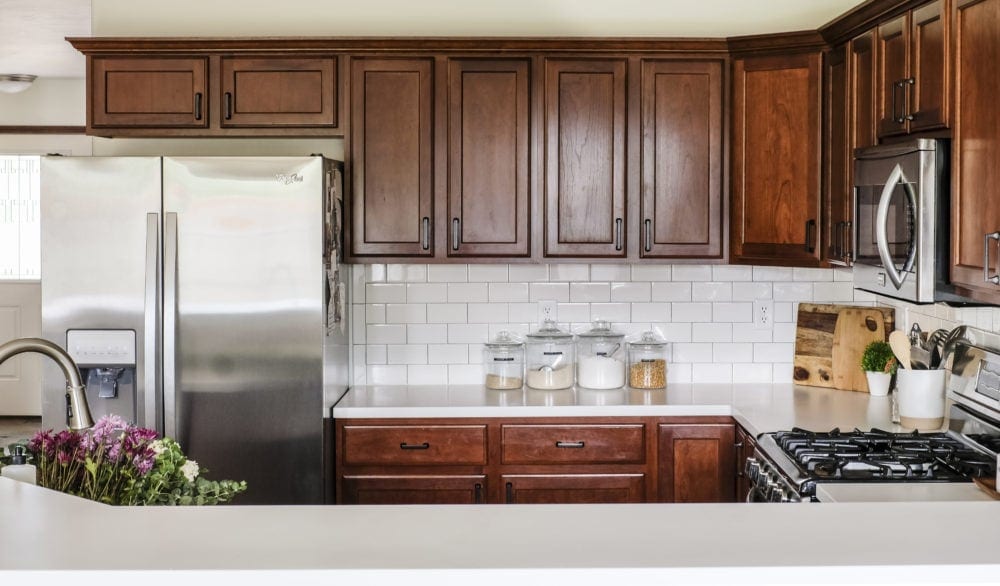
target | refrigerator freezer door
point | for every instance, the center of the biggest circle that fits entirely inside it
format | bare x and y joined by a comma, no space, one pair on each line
99,216
247,347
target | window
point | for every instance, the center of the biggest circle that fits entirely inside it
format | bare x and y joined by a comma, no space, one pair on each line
20,228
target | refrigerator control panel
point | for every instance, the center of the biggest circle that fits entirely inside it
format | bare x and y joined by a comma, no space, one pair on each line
101,347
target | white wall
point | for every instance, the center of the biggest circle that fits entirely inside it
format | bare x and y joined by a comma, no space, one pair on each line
48,102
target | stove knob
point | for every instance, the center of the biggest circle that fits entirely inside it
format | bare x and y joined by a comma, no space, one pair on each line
775,493
752,469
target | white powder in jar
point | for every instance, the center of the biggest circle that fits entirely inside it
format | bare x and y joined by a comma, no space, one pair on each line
550,379
601,372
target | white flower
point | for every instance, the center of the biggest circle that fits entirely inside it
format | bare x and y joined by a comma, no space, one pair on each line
157,447
190,470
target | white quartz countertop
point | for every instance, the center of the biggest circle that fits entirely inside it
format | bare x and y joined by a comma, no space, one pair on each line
897,492
44,533
758,408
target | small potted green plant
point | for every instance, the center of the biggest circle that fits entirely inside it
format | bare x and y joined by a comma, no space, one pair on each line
879,365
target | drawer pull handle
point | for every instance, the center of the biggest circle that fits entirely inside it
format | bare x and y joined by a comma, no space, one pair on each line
510,493
569,444
197,106
406,446
479,493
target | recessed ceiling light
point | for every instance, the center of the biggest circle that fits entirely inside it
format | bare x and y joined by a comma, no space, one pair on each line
12,83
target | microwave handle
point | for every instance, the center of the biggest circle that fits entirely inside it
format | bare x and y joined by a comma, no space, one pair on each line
881,227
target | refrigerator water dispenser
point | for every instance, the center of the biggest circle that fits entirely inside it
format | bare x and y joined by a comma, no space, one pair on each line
107,365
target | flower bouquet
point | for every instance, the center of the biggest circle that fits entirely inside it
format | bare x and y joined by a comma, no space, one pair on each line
121,464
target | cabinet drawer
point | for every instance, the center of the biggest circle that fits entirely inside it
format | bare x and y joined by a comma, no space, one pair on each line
415,445
573,444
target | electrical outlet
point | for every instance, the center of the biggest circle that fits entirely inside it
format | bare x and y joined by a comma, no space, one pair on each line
548,310
763,314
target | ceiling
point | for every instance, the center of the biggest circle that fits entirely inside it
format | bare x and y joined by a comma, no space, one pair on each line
32,31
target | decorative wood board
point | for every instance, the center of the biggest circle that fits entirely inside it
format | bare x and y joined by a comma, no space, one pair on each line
829,340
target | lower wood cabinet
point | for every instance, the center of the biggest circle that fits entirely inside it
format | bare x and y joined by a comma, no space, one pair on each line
745,446
535,460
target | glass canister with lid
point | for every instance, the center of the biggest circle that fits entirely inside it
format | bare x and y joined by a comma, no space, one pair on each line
647,360
601,358
503,362
550,358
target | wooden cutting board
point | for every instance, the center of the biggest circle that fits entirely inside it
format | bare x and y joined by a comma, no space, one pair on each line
829,340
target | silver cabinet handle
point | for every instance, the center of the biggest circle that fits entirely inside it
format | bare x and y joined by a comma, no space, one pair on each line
197,106
848,241
649,235
229,105
618,233
995,279
170,325
456,226
151,325
425,238
570,444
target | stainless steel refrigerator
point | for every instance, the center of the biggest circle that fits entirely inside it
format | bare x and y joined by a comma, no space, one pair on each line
195,295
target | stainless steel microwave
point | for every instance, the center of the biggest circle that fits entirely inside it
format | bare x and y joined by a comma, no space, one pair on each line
901,219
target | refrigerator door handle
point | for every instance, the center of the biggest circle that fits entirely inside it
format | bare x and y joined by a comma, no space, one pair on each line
151,316
170,325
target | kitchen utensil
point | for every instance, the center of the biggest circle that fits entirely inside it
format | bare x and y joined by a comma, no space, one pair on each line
901,347
954,337
815,336
934,344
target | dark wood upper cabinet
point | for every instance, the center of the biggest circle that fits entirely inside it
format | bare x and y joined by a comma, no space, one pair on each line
837,200
975,212
584,181
148,92
391,157
682,155
912,74
697,463
776,160
488,168
279,92
862,92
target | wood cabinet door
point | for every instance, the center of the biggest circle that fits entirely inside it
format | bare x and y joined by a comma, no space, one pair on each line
837,159
863,102
573,488
488,168
975,210
776,160
391,157
585,157
146,92
261,92
413,490
697,463
928,97
893,72
681,117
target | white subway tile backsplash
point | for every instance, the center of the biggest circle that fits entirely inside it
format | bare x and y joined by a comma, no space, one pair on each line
650,312
610,272
526,312
447,353
405,313
548,292
427,374
426,333
773,352
468,333
782,372
732,312
670,292
375,313
385,293
447,313
793,292
679,373
426,292
375,273
519,329
574,312
613,312
692,273
709,332
747,332
772,274
528,273
475,352
387,374
843,274
569,272
752,373
358,325
385,334
711,291
692,352
785,312
358,283
508,292
589,292
488,273
488,313
833,292
651,273
712,373
639,291
406,273
407,353
752,291
727,353
468,292
375,354
447,273
465,374
691,312
805,274
673,332
732,273
784,332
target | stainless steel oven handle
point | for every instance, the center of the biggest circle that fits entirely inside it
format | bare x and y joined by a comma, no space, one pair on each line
995,279
881,228
151,325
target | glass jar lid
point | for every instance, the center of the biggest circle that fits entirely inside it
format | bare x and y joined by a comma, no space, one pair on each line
648,341
601,330
550,332
505,341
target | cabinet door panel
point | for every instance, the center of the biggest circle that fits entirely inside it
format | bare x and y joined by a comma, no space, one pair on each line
136,92
864,105
573,488
929,67
279,92
893,65
681,207
837,181
488,157
392,159
585,157
697,463
776,167
976,150
413,490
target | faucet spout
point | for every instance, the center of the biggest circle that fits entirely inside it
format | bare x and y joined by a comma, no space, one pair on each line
76,398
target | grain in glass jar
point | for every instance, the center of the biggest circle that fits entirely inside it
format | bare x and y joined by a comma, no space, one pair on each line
503,362
647,362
